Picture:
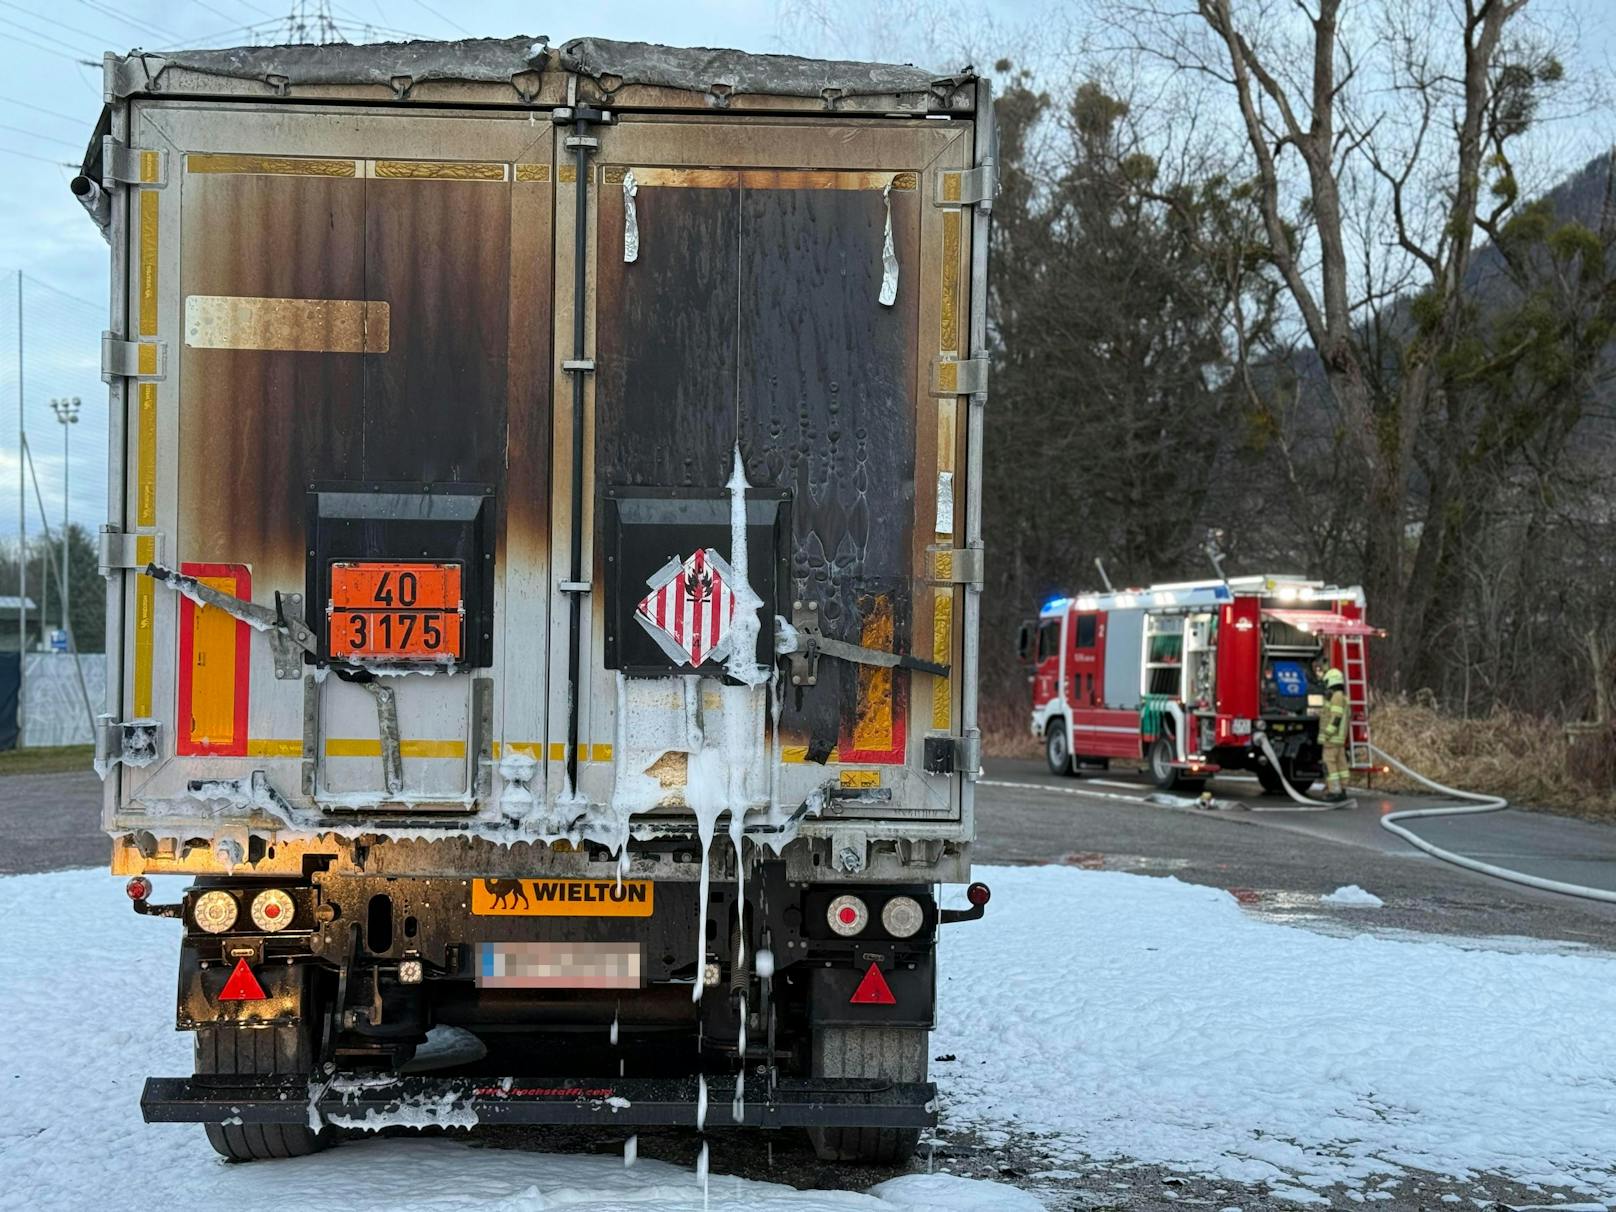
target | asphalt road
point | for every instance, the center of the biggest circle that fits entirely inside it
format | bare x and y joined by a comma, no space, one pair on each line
1281,861
51,822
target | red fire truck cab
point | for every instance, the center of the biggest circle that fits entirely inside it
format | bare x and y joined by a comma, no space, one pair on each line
1183,677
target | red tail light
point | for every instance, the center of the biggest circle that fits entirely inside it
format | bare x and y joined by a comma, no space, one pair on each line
979,894
139,888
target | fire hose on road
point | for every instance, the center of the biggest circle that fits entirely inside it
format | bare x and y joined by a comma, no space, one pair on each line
1392,823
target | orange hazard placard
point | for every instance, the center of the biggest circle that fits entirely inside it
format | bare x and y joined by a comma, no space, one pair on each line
401,634
394,611
395,586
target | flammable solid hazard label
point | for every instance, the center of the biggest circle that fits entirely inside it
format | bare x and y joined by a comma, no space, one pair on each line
691,608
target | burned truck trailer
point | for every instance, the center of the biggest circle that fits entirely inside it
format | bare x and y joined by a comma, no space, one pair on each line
543,558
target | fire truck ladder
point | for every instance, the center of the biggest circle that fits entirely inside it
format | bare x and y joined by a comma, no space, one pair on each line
1355,667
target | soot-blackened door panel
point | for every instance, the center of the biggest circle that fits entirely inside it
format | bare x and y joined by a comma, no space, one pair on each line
439,252
666,325
827,391
260,424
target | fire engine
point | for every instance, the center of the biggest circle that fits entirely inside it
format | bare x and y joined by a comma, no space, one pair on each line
1185,676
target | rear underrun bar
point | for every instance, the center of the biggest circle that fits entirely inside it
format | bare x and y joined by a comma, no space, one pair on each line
355,1101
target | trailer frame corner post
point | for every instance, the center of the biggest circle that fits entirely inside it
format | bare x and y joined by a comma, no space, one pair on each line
117,585
579,118
981,234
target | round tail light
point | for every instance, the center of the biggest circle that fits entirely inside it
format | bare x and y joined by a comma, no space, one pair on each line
215,911
272,910
902,916
848,915
139,888
979,894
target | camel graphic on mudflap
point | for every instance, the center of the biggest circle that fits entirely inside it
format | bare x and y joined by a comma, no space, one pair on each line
506,893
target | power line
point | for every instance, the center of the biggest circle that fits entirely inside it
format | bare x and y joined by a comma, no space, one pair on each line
42,110
422,4
77,57
108,11
57,290
22,130
11,151
36,34
28,12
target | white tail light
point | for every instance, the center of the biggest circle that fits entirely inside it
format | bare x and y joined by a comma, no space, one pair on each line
902,916
215,911
272,910
848,915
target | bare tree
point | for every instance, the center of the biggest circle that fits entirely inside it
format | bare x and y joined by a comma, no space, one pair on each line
1368,155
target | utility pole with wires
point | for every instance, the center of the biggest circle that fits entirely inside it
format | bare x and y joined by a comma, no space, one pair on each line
312,23
22,511
67,412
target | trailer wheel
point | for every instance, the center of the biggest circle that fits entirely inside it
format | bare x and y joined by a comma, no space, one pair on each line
1056,751
894,1053
262,1052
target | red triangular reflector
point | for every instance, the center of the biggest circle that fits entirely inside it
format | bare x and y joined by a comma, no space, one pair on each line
873,990
243,986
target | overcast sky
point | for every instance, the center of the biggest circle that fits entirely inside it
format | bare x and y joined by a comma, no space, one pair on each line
50,98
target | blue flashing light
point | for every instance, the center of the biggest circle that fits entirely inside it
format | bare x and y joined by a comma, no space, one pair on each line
1053,604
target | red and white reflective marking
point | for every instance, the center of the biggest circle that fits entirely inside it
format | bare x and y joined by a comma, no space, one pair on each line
691,606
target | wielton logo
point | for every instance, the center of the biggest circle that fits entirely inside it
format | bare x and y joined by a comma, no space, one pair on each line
590,892
563,898
506,893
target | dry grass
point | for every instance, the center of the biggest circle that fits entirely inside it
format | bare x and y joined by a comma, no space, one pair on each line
1522,757
1005,731
57,760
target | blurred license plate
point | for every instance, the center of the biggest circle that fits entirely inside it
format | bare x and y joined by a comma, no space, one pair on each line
558,965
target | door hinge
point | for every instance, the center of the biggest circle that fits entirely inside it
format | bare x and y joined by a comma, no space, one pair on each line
132,742
132,359
966,187
953,754
959,377
958,566
125,165
118,550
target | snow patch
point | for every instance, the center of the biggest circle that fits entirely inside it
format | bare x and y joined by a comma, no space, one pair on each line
445,1112
948,1193
1353,897
1354,1057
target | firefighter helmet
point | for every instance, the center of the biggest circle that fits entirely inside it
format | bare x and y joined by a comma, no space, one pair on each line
1334,678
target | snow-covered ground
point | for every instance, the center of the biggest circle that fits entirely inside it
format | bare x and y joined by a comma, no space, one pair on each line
1131,1017
1110,1016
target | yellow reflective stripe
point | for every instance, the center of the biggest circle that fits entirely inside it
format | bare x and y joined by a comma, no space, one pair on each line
363,747
145,608
274,749
149,202
589,753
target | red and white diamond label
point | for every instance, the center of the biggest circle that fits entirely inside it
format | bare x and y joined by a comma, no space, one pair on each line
691,607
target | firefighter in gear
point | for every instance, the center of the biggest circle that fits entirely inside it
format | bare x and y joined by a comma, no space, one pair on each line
1333,735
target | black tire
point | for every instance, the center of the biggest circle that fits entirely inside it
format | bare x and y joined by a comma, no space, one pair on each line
1162,771
895,1053
1269,778
265,1052
1055,749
